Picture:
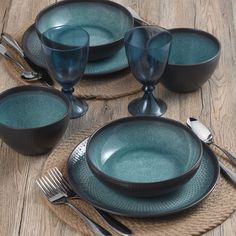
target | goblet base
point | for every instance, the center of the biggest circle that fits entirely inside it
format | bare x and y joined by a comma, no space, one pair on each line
78,107
148,105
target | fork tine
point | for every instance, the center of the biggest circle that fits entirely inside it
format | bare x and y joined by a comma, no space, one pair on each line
42,188
47,185
39,185
58,177
58,180
65,182
58,171
53,178
50,182
61,175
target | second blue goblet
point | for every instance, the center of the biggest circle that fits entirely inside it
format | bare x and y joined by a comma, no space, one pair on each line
66,53
147,50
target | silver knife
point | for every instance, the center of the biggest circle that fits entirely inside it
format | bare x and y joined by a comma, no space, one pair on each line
9,40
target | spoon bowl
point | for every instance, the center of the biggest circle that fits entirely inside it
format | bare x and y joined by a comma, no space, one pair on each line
206,136
31,75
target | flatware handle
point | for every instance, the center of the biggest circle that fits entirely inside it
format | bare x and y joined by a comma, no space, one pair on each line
9,57
230,156
96,228
114,224
228,173
12,42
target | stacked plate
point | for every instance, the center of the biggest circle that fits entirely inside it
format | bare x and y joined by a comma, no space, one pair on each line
143,167
106,30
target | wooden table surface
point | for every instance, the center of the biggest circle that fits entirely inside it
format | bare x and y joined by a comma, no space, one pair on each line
22,211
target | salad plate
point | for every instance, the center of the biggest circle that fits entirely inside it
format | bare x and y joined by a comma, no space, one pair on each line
32,49
88,187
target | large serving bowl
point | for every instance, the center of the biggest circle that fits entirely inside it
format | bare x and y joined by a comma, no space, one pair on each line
193,58
105,21
144,156
33,118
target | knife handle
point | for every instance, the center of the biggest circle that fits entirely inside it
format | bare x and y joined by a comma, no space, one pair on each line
228,173
8,39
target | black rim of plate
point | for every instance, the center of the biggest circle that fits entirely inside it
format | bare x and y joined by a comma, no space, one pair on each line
31,58
157,214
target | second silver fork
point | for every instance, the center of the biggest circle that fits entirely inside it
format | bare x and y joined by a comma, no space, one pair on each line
56,196
61,182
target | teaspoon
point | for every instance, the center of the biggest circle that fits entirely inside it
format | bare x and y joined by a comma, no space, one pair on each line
205,135
26,75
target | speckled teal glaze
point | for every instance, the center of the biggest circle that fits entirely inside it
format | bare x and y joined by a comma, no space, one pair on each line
91,189
143,151
191,48
32,49
31,109
105,23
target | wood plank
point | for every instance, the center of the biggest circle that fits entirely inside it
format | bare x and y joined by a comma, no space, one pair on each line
12,165
14,168
4,13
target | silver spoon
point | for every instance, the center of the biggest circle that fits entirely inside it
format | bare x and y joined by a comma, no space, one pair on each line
8,39
205,135
26,75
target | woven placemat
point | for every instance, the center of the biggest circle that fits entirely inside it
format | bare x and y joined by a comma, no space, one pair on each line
202,218
111,86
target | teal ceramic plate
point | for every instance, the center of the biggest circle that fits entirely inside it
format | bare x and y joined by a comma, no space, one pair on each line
32,50
87,186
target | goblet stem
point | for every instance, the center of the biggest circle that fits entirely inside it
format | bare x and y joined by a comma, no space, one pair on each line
78,107
148,104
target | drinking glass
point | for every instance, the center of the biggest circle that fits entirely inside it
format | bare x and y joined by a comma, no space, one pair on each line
147,50
66,50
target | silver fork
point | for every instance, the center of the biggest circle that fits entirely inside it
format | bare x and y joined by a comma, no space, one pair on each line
61,182
55,195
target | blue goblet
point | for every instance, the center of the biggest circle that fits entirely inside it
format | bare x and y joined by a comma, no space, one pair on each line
147,50
66,50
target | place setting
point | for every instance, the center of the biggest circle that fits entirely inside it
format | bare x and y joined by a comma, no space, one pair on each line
137,175
106,73
175,207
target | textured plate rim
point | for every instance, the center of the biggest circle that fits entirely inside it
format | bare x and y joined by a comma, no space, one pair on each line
203,196
30,57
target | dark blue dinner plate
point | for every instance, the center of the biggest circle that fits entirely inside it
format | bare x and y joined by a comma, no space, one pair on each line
32,49
87,186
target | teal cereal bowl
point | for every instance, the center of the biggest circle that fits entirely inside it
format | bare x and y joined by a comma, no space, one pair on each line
33,119
105,21
144,156
193,58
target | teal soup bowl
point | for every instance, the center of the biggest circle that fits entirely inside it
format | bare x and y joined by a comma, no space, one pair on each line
144,156
33,118
106,23
193,58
